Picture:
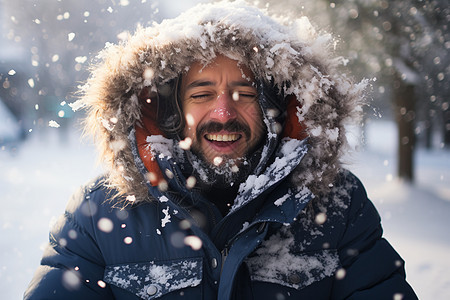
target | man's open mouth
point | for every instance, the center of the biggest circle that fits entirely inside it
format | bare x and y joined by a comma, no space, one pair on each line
223,137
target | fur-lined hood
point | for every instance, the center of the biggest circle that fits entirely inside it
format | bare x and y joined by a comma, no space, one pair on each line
288,53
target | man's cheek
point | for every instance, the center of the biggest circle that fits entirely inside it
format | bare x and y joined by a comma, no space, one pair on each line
190,132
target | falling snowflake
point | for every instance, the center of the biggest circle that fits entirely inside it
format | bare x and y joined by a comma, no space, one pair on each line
53,124
70,36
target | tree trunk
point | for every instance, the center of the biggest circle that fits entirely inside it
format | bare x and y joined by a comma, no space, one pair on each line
428,134
405,116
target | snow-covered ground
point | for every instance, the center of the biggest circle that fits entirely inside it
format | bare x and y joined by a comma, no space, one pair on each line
35,185
37,181
416,218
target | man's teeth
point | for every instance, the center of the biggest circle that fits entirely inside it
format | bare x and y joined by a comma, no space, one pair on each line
223,137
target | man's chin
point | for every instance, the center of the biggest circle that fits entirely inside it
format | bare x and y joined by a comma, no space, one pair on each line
224,161
219,158
220,171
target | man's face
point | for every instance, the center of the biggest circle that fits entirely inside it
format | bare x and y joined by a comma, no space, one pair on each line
221,109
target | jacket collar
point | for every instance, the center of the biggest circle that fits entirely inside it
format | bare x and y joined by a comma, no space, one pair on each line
283,200
287,157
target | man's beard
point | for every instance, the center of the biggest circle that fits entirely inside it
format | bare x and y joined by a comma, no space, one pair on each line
226,174
224,171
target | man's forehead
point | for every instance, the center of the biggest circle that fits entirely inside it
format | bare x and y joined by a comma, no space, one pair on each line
203,73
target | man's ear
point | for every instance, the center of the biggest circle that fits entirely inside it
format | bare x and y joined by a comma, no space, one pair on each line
293,128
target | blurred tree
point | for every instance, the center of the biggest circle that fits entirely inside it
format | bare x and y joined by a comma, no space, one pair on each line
404,44
413,35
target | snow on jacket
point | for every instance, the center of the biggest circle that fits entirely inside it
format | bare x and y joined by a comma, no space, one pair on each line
300,226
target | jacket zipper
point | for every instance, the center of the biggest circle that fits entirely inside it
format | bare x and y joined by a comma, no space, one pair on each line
224,253
226,248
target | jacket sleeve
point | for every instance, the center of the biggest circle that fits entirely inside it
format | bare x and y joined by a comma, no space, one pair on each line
371,268
72,266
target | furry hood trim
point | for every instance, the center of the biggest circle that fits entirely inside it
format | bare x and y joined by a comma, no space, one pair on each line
288,53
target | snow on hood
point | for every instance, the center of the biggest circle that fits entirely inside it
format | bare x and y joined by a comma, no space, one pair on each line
289,53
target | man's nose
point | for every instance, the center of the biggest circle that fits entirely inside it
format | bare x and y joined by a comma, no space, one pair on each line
223,108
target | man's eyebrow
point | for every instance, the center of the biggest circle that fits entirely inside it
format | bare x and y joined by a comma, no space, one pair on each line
198,83
242,83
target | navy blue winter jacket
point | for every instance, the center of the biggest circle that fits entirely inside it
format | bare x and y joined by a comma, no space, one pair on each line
280,245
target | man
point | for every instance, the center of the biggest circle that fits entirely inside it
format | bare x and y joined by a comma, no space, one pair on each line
221,131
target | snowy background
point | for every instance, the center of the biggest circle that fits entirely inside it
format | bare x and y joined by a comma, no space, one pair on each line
36,182
46,45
